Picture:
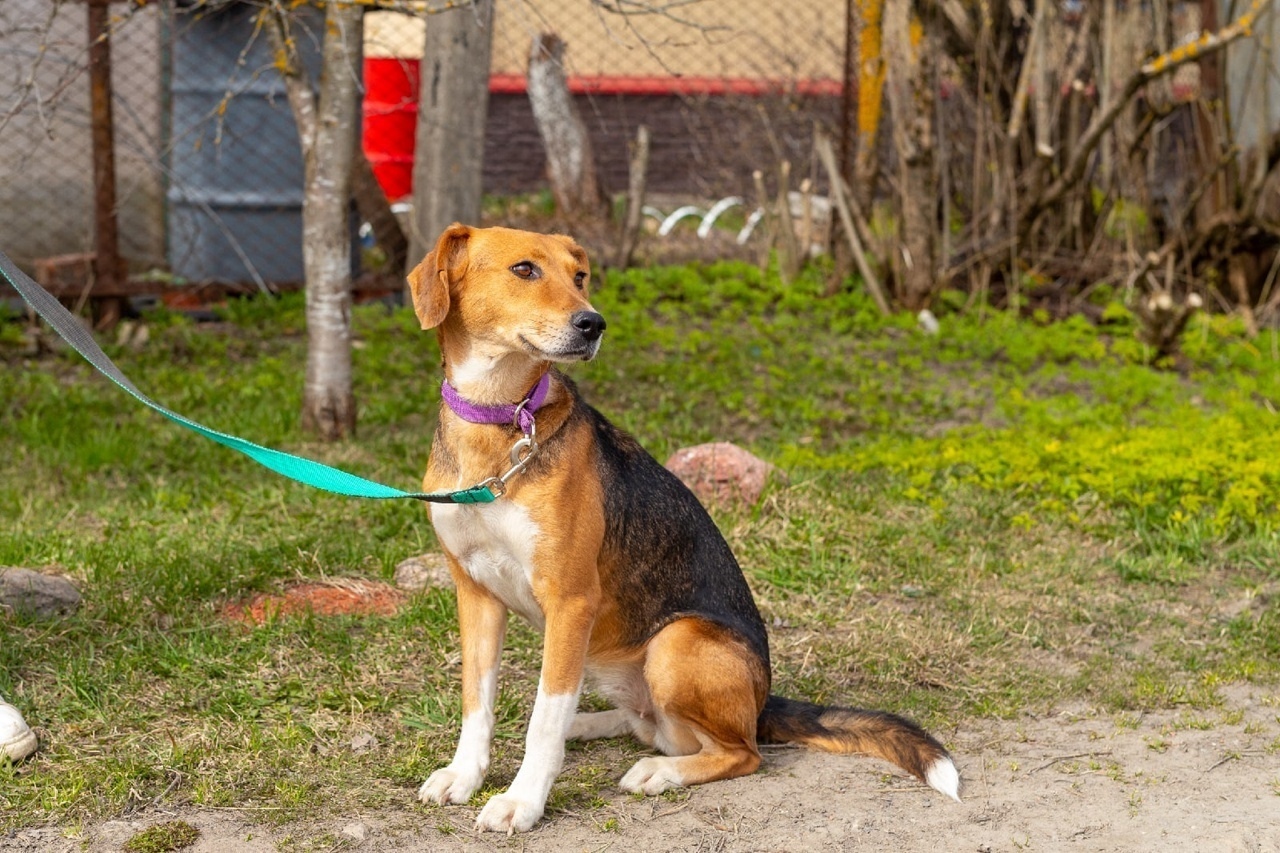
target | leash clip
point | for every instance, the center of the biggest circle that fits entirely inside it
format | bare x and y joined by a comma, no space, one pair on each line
521,454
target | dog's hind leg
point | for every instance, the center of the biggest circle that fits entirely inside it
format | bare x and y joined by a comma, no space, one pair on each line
708,689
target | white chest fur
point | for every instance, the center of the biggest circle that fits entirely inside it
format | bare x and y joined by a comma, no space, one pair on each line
494,543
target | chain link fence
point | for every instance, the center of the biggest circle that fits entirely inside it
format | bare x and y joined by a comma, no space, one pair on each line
207,169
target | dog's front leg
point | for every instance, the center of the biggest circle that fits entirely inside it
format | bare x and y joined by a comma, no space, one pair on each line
482,624
564,651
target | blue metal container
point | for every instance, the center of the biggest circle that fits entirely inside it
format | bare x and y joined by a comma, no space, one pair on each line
236,176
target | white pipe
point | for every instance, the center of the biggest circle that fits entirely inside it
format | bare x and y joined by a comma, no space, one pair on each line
752,221
714,213
670,222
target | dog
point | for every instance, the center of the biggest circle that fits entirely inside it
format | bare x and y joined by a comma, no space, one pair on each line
597,545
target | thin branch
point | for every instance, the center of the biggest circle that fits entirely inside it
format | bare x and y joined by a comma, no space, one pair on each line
77,62
627,10
297,83
844,200
1029,59
1206,45
955,14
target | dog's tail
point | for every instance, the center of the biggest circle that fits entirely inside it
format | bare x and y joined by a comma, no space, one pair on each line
849,730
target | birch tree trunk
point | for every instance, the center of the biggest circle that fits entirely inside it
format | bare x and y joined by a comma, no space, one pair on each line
327,120
571,167
453,107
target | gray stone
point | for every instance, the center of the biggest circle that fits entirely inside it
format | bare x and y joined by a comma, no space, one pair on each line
426,571
36,595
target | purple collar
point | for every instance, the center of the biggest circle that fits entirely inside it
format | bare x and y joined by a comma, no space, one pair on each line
507,413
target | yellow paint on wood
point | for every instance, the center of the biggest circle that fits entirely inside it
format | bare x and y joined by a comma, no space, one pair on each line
871,68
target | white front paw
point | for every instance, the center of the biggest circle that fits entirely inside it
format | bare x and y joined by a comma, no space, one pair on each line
450,785
507,813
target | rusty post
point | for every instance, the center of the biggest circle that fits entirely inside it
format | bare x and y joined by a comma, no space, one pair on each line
107,265
849,93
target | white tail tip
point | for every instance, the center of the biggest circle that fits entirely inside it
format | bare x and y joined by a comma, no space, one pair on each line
943,776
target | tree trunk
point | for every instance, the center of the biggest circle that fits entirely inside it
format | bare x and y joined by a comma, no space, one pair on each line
452,109
571,168
374,208
910,90
328,402
327,121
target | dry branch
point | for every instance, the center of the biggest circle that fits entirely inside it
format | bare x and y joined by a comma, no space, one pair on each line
296,83
789,259
1029,61
841,196
768,219
1074,170
1162,320
637,173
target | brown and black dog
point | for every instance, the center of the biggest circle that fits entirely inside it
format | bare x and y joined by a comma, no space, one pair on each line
603,549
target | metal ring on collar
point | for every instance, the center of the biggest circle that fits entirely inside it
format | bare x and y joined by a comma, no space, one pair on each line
515,417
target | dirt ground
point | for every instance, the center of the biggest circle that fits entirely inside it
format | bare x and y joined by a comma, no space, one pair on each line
1168,781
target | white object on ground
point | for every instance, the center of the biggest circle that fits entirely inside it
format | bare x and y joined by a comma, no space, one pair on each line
17,741
928,323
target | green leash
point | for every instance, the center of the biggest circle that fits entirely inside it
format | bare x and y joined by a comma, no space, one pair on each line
294,467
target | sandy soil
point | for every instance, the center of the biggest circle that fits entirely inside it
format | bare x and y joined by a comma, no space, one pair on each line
1166,781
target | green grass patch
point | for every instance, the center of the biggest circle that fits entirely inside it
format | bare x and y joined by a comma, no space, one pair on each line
163,838
1008,516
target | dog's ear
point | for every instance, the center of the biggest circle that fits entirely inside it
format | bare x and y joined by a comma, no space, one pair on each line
429,280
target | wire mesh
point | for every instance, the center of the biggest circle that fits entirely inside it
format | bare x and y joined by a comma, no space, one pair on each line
209,173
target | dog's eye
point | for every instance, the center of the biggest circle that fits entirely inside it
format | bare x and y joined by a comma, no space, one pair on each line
580,280
527,270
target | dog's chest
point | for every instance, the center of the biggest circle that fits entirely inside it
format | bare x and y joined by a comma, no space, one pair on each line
494,543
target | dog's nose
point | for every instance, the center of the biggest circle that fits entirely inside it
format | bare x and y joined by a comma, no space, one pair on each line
589,323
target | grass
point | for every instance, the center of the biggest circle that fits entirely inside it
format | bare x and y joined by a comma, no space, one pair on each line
163,838
1013,515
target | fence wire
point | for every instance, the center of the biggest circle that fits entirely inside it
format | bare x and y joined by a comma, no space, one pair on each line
208,172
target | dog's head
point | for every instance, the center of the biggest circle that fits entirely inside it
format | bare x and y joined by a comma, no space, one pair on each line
513,291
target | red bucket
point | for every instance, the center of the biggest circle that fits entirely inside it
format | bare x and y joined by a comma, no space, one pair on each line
391,121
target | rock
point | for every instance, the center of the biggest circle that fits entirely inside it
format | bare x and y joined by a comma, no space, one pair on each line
427,571
356,831
721,472
36,595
